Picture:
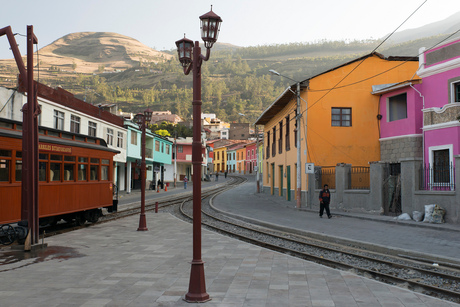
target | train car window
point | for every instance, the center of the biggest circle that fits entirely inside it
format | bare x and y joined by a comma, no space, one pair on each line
4,170
56,158
104,172
95,160
69,168
69,158
55,171
82,172
41,131
105,169
79,138
18,127
18,167
42,156
42,170
93,169
67,136
82,168
5,153
69,172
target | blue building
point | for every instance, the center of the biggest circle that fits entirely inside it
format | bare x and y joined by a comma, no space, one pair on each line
158,153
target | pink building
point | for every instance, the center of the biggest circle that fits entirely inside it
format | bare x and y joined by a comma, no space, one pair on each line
251,157
419,118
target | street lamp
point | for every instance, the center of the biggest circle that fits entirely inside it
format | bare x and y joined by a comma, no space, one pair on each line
191,58
141,120
299,175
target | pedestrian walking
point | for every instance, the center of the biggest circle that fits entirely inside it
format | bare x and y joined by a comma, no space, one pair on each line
324,200
185,182
225,174
217,176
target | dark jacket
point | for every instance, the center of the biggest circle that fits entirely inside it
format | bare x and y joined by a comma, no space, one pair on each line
325,196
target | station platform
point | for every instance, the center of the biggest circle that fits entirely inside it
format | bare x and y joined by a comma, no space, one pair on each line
113,264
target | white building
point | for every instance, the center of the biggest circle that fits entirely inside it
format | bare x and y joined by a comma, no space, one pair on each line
62,111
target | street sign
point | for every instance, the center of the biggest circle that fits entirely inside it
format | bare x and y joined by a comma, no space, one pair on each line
309,168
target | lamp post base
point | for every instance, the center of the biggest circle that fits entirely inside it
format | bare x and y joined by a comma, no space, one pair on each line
142,223
197,286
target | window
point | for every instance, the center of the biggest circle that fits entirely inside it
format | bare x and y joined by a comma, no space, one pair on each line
69,168
94,169
109,136
55,167
82,168
157,145
133,137
180,148
120,140
341,117
455,92
5,162
280,140
162,147
268,144
42,166
18,175
397,107
288,144
167,149
92,129
274,142
74,124
440,172
105,169
58,120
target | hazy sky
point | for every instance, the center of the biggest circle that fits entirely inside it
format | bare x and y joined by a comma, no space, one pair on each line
159,23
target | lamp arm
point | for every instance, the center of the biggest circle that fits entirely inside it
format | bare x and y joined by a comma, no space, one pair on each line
188,69
208,54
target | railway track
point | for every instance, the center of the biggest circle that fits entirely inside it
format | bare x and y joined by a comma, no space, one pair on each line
426,276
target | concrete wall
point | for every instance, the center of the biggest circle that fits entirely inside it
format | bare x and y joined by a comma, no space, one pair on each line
372,200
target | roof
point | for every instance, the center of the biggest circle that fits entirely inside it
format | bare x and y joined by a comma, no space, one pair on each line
385,88
289,93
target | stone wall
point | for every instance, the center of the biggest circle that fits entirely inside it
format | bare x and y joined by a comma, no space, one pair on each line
395,149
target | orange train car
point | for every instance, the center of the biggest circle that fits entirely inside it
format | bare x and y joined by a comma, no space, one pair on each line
75,175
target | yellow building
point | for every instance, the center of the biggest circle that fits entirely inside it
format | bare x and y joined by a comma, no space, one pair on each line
342,120
220,158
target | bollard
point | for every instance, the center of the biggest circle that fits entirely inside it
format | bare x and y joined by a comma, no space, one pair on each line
158,189
166,188
156,207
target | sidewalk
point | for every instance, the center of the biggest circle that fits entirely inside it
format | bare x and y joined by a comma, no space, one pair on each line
439,240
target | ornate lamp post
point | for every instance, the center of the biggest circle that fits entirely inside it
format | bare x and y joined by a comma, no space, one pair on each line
191,58
142,119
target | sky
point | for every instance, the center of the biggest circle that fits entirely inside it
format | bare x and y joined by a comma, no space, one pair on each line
159,23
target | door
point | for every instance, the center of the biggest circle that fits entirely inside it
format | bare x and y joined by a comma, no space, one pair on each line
288,183
280,180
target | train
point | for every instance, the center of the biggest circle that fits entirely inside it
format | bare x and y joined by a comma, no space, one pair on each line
75,174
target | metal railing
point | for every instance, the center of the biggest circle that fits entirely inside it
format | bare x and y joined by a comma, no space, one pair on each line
359,178
437,177
325,175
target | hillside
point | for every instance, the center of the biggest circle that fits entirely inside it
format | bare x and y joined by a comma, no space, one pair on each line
108,67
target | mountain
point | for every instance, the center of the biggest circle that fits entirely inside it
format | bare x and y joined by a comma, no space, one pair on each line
446,26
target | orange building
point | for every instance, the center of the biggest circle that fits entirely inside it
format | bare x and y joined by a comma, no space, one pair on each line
342,120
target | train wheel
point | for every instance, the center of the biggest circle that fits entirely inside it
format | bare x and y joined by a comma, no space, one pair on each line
7,234
80,219
94,215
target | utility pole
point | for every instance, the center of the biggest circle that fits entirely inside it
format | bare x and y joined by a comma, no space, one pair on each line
175,158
